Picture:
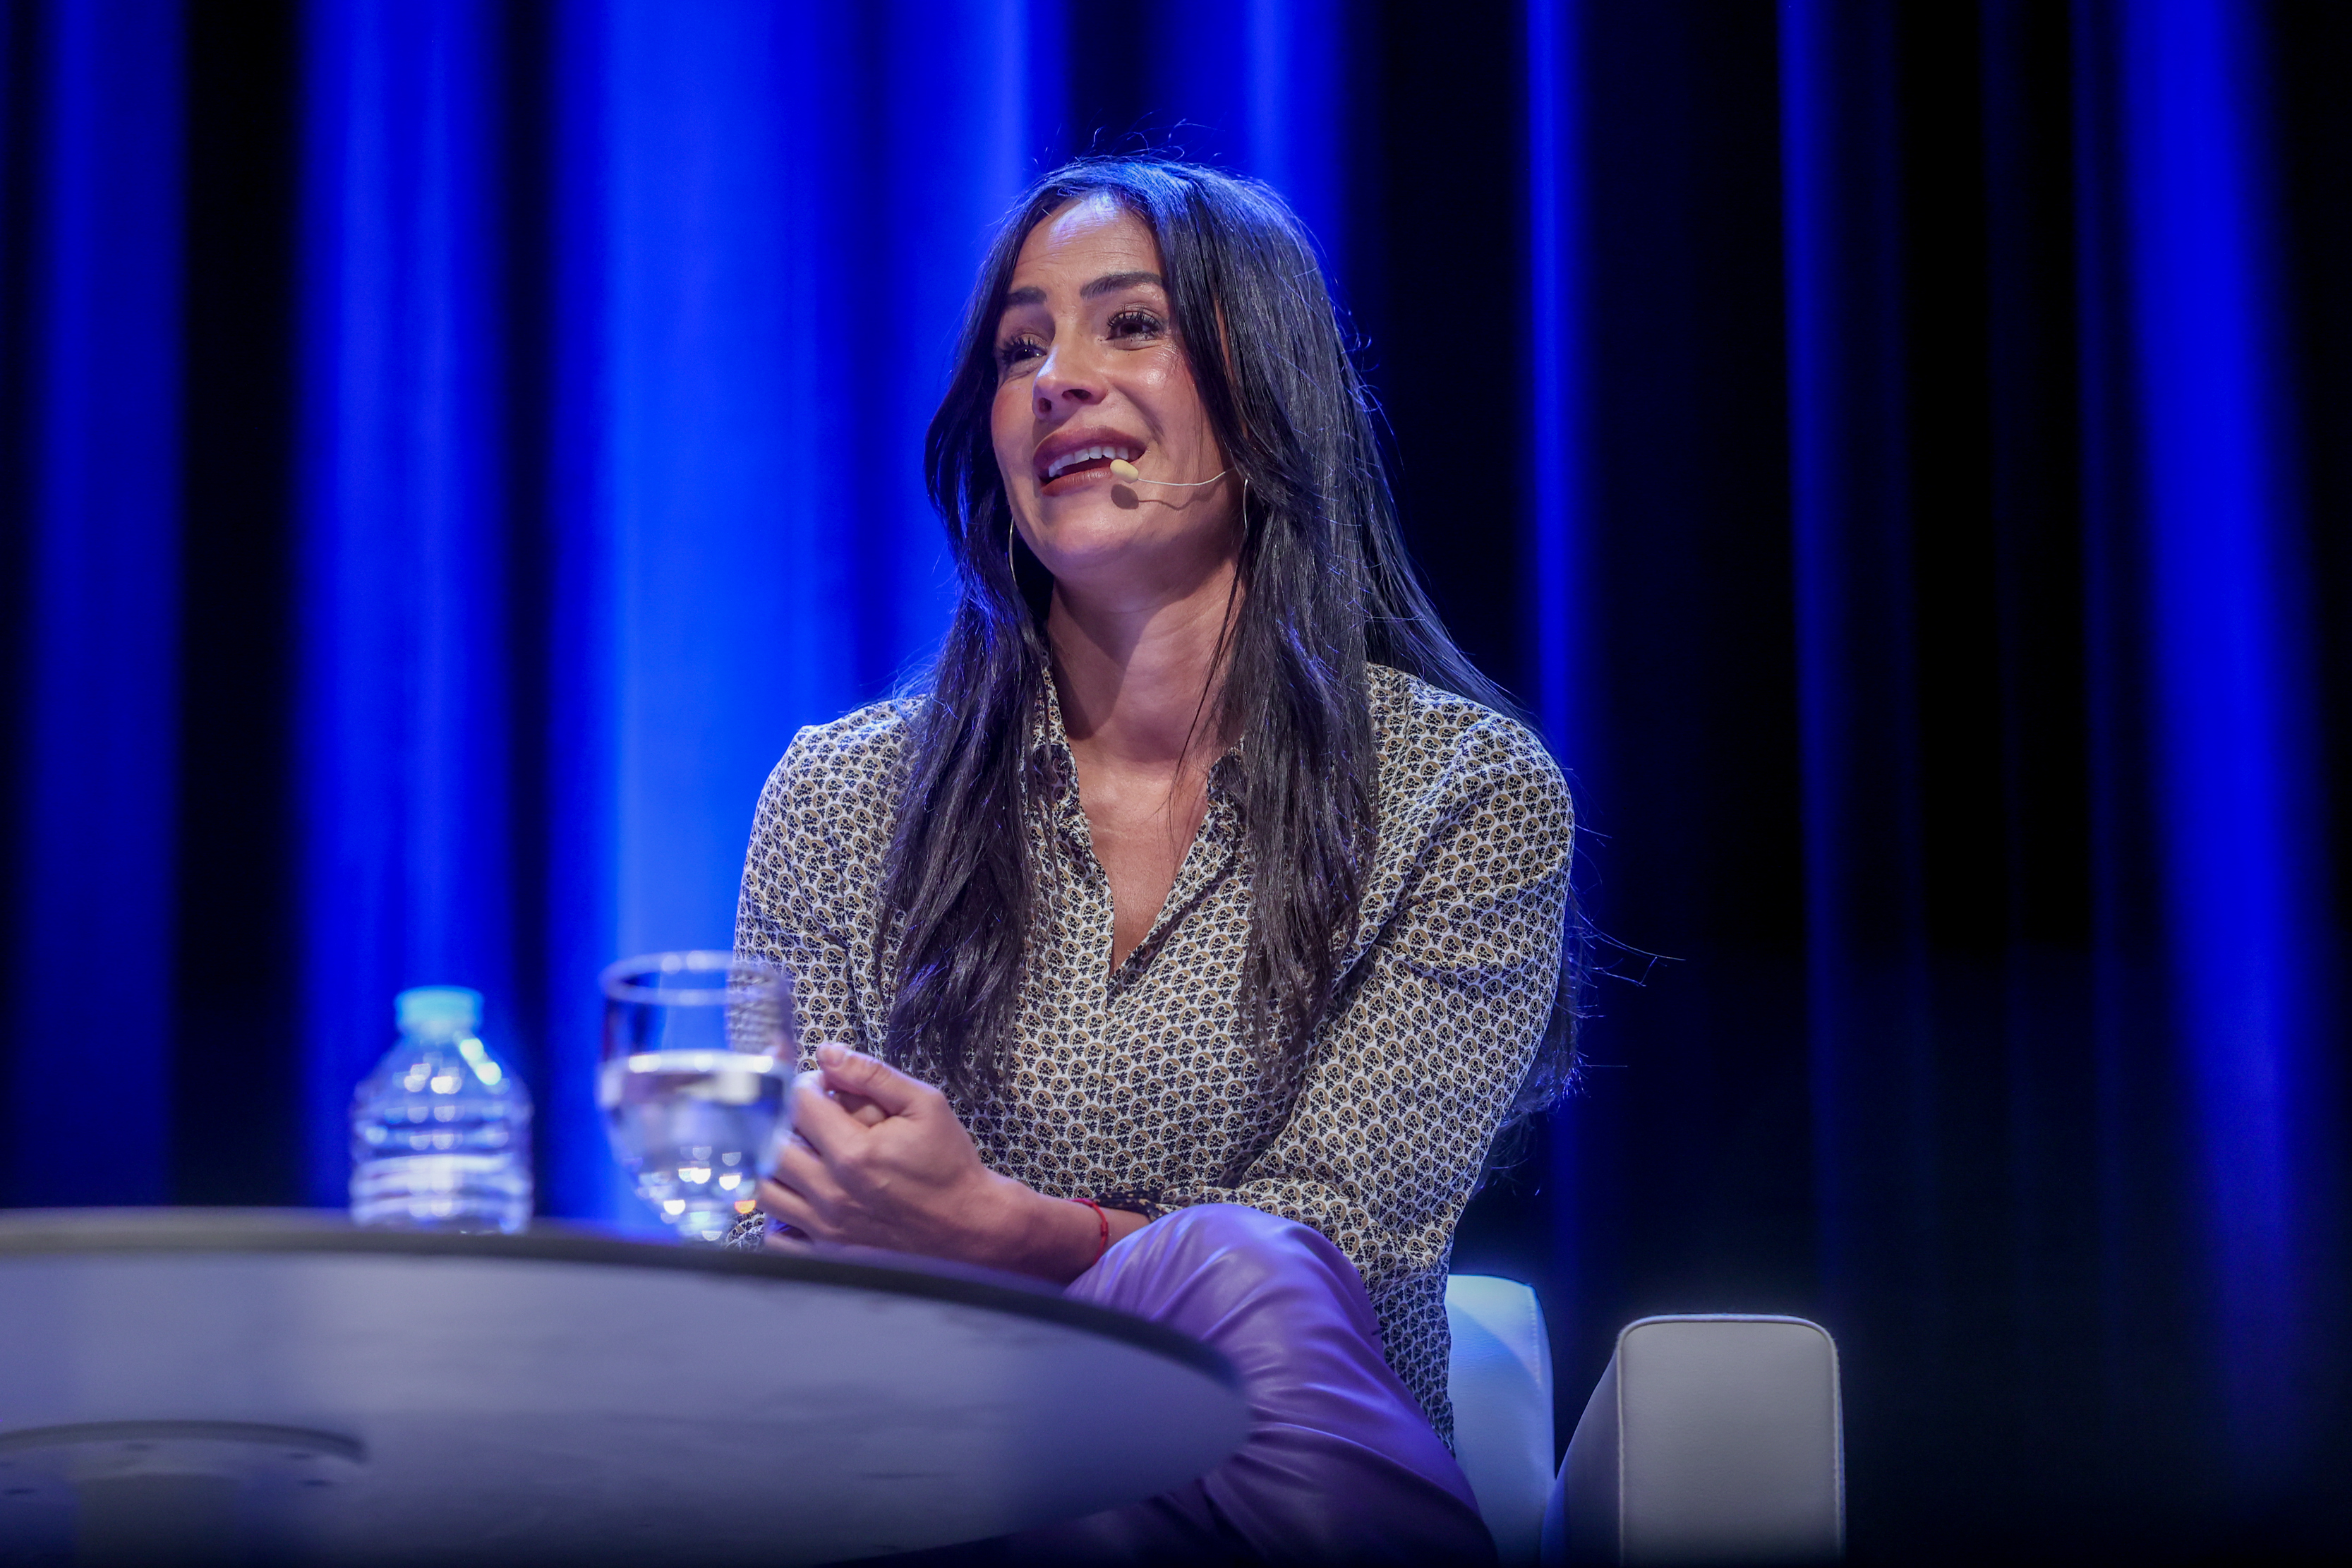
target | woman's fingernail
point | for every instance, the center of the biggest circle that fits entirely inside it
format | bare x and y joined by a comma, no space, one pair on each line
832,1053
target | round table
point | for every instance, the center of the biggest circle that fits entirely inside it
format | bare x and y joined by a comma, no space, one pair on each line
210,1382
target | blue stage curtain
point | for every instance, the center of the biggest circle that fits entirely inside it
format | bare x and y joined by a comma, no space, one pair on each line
2188,1055
1557,680
402,720
1867,993
94,893
1260,87
770,218
2230,669
1551,593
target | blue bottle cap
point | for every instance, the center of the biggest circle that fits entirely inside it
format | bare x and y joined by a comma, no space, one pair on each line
438,1004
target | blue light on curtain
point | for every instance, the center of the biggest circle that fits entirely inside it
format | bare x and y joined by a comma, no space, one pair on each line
96,892
1260,87
1805,135
1552,594
402,707
1871,1078
2230,670
771,218
1554,545
1297,60
2193,604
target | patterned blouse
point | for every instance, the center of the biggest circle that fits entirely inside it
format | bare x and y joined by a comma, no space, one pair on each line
1139,1084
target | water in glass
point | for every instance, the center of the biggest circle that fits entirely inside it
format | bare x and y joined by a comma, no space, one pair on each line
697,1059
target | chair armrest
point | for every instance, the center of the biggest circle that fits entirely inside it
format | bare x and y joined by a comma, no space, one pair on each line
1500,1379
1717,1439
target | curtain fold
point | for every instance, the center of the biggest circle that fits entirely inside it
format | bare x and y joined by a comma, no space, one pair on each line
768,223
406,836
2232,678
2064,872
94,851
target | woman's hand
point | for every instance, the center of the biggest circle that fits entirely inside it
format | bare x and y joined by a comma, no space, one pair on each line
909,1179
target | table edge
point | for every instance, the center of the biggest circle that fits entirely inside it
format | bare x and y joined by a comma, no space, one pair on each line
32,1233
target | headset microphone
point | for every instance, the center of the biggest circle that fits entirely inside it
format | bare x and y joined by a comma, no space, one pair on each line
1128,474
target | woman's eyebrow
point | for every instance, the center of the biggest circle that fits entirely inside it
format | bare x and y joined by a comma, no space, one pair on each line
1112,282
1108,283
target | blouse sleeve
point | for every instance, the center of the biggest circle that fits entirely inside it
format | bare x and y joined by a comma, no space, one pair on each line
791,907
1412,1077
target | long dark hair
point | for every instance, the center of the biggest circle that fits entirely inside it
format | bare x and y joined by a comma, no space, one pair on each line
1325,587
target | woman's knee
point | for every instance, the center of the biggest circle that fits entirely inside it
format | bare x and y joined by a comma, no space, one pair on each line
1236,1224
1205,1262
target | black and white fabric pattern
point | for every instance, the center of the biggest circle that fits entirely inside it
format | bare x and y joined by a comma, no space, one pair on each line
1139,1087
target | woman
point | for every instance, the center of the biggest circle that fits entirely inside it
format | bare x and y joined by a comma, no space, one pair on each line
1203,876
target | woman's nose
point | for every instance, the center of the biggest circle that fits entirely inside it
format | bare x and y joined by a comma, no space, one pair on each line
1062,382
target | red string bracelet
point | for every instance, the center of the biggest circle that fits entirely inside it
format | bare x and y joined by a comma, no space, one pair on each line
1102,1243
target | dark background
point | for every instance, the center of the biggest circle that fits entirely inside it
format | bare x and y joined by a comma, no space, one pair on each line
2024,1350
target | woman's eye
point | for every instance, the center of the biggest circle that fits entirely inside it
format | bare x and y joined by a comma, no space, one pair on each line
1135,324
1014,350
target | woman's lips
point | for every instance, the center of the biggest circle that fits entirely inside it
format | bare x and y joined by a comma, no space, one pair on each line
1077,471
1091,459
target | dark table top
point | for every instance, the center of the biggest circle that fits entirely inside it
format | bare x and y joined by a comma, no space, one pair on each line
278,1380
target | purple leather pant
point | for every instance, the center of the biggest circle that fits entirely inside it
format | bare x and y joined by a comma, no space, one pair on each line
1340,1465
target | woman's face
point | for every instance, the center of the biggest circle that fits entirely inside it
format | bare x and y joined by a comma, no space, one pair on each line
1087,371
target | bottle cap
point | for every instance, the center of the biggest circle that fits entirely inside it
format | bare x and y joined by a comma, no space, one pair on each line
438,1004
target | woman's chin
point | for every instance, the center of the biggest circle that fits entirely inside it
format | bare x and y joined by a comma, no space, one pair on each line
1092,502
1082,538
1100,558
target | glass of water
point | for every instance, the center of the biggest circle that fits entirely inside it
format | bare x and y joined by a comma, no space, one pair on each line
700,1050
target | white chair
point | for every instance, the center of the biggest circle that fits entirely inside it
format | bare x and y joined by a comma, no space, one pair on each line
1500,1377
1714,1438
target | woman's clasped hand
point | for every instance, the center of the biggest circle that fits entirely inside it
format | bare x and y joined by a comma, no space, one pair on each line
878,1159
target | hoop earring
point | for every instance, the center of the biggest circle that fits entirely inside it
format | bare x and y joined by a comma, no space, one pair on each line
1011,572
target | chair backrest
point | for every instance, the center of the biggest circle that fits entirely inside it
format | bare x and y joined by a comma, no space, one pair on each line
1500,1378
1716,1438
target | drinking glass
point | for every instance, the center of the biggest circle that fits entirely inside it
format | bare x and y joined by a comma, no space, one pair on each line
701,1051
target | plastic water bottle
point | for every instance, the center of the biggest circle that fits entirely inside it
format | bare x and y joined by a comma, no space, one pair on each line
441,1130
